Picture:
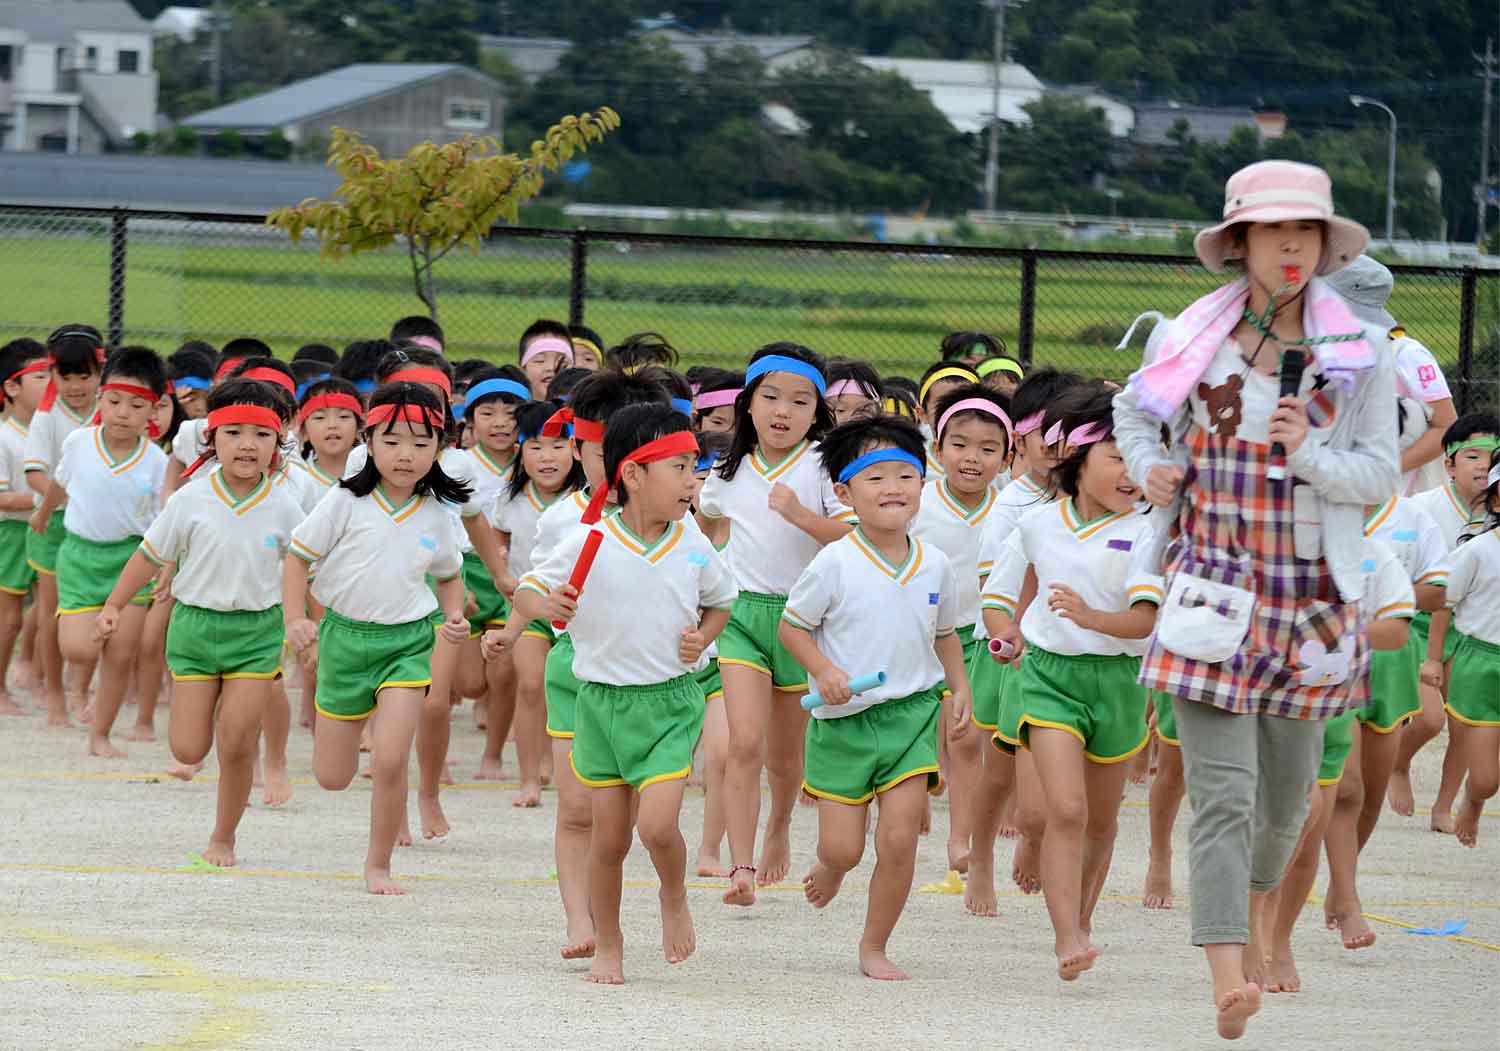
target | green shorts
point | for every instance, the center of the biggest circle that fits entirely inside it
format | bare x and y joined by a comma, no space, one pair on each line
561,687
42,548
709,681
636,735
851,758
207,644
541,628
986,679
1474,689
356,660
1007,736
1338,738
1394,681
16,574
493,606
750,639
1421,627
1093,697
1166,718
87,571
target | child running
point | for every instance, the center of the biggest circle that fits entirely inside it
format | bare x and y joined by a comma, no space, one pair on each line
25,370
876,597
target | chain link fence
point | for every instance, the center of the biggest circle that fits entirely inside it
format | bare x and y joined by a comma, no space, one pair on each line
160,278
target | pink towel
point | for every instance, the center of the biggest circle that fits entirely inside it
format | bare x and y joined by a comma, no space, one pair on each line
1195,335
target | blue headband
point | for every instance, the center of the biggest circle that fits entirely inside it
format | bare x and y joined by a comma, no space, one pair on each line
874,456
365,386
485,388
302,388
194,383
782,363
683,405
705,463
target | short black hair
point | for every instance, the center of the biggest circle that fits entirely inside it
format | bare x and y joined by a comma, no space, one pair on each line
417,325
1467,426
320,352
410,355
563,383
15,356
543,327
504,372
76,350
529,420
860,372
585,333
137,363
745,438
1038,391
973,390
631,428
357,362
849,441
245,347
436,482
464,371
641,350
604,393
189,361
273,365
956,345
673,382
712,444
934,369
197,346
305,369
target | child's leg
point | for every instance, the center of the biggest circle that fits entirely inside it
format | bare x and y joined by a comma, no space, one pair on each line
571,836
150,667
607,849
275,727
656,824
336,750
1167,791
530,717
1031,815
1481,747
1377,758
49,651
241,704
1105,785
501,708
76,636
964,773
434,729
1060,766
785,745
896,830
30,669
1284,904
994,790
10,627
841,843
1453,775
1427,725
400,712
1341,906
747,709
714,746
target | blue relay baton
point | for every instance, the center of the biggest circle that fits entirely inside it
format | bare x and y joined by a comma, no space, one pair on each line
859,685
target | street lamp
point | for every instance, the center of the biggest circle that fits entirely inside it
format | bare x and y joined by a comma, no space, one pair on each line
1390,170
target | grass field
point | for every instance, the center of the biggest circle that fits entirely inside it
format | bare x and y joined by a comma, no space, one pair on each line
215,283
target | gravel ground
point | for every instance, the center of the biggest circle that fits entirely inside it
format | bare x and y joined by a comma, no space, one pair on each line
110,939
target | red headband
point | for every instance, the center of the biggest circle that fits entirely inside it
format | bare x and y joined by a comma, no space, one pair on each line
269,375
678,443
39,365
331,401
583,430
436,377
227,366
408,413
253,415
130,388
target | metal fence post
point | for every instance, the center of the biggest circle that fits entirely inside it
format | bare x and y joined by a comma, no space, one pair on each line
1027,331
578,280
118,225
1468,308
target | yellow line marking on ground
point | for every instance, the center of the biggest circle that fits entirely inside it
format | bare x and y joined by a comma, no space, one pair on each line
1453,937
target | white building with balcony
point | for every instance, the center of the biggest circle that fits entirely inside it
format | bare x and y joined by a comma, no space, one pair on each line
76,76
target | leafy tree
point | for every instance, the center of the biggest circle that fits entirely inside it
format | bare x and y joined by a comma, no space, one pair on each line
436,198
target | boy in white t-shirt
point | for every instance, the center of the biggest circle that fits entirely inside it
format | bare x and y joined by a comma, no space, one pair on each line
875,595
23,377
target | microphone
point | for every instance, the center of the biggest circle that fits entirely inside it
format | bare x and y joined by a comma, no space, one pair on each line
1293,364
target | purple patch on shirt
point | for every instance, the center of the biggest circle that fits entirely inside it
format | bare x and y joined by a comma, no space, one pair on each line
1119,545
932,598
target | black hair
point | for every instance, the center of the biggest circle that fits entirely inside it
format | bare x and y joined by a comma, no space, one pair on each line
191,361
247,392
436,482
861,372
584,332
464,371
631,428
76,350
673,382
1467,426
503,372
563,383
1086,403
713,443
605,393
543,327
932,370
245,347
1017,374
288,401
411,356
137,363
308,368
710,379
1039,390
417,325
956,345
849,441
196,346
15,356
977,391
319,352
332,385
641,350
745,438
1491,492
358,361
529,419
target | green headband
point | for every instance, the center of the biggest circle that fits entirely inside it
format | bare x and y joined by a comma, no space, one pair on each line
985,368
1487,442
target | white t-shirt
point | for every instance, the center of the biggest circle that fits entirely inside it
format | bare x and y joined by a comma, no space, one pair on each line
228,551
1410,534
109,499
188,443
44,439
1388,592
1417,372
373,557
1473,583
1096,559
638,600
13,467
1016,499
521,516
946,525
768,552
309,483
867,615
1447,509
1256,396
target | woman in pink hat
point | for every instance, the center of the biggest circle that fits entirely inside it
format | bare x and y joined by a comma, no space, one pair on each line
1259,640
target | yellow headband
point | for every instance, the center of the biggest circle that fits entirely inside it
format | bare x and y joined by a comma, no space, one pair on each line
985,368
898,407
588,344
953,372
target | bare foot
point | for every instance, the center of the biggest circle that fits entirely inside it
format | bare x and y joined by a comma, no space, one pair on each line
1026,866
1158,892
481,715
958,856
379,881
775,858
1400,794
446,778
58,718
677,938
741,886
220,854
403,838
434,822
821,885
874,964
1009,829
100,746
142,732
979,892
365,737
1281,973
546,768
1255,963
184,771
710,865
1235,1009
1442,821
490,770
609,966
1466,828
8,706
1071,964
278,787
580,943
529,796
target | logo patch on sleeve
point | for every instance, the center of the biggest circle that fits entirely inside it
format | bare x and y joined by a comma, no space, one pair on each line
933,598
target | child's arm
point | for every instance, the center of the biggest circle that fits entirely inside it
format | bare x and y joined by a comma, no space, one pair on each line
1429,597
301,632
53,497
133,577
696,640
824,530
451,596
487,546
1133,623
14,501
950,652
1002,615
39,481
1388,633
716,529
831,680
173,478
1437,635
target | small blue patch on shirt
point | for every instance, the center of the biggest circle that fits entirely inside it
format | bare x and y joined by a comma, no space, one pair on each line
1119,545
429,543
1368,565
271,542
1408,536
697,558
933,598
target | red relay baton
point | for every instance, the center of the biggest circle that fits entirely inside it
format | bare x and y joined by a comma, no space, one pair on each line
581,568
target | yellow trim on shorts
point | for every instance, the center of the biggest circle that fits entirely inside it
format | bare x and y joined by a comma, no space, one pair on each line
714,696
746,664
411,685
1470,722
676,775
194,678
532,633
1046,724
341,718
80,609
1329,782
39,569
991,727
1400,722
559,735
18,592
796,687
613,782
1164,739
1119,758
810,790
1010,741
907,777
265,675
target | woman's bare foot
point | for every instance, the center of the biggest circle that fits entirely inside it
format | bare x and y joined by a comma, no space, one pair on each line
142,732
219,854
775,858
490,770
677,937
958,856
1236,1008
434,821
873,963
379,881
1442,821
1074,962
741,886
821,885
1158,892
709,863
1466,828
528,796
184,771
1026,866
1281,973
580,942
1399,793
979,892
8,706
609,965
278,787
100,746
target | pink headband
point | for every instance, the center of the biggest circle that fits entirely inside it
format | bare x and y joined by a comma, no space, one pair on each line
977,405
548,345
425,341
1090,433
716,399
1029,423
696,387
1054,434
849,387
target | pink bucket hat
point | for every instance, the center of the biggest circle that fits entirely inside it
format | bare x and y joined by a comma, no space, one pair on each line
1277,191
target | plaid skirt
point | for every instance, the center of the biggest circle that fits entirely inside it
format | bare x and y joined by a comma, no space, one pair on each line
1238,529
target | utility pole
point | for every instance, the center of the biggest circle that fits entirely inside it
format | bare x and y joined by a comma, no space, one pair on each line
217,21
992,164
1483,191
